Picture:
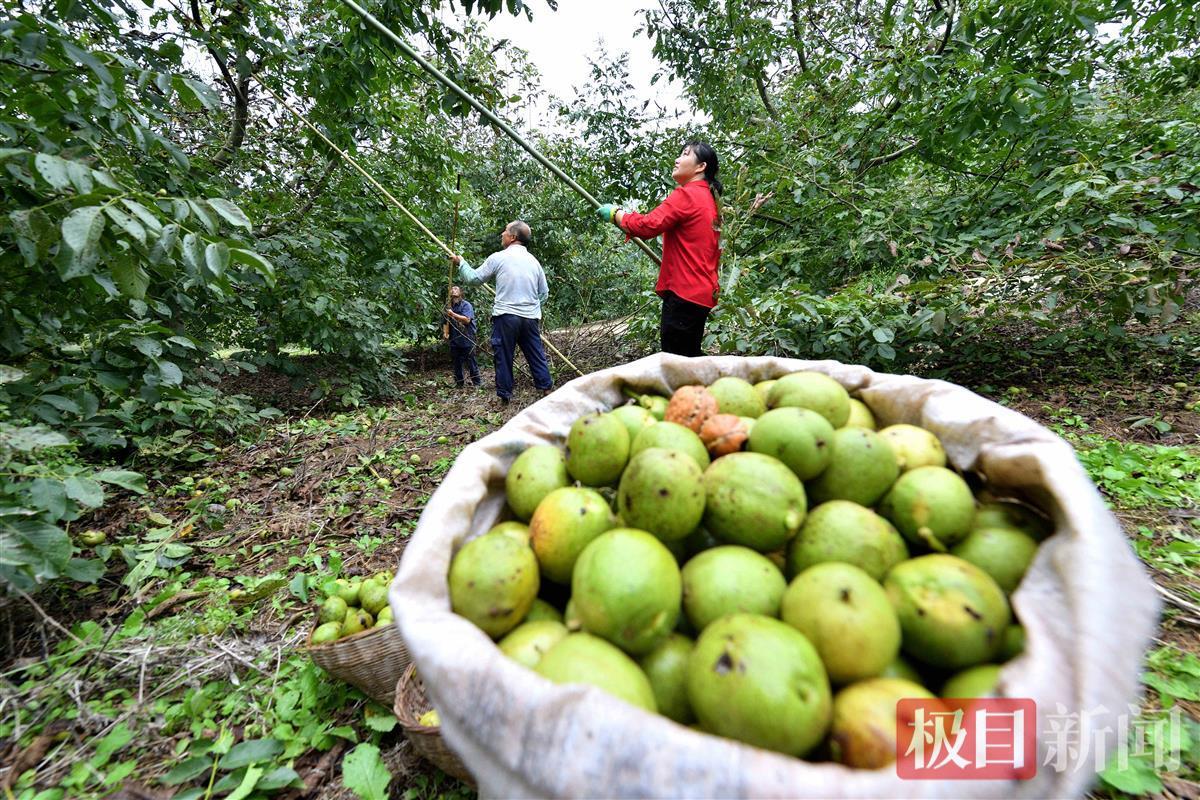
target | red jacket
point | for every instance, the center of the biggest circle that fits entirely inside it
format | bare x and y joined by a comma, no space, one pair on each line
687,220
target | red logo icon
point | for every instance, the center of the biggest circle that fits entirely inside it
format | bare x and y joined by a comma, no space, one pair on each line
966,739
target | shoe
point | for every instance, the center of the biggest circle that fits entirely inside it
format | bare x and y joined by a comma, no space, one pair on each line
504,400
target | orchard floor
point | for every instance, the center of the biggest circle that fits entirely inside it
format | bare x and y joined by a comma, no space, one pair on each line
115,687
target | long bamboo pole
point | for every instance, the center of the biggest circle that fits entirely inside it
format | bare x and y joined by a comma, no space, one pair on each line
352,162
453,244
449,83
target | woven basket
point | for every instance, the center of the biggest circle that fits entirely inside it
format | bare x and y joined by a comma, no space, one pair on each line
372,660
411,702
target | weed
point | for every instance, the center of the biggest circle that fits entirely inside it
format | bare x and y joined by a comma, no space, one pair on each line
1136,475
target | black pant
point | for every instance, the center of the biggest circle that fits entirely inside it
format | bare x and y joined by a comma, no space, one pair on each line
465,357
682,328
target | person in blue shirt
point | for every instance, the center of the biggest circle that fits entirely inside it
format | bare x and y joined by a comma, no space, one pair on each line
461,333
520,291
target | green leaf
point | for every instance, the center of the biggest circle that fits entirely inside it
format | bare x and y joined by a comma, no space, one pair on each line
364,773
104,179
198,208
41,545
117,738
175,550
177,155
216,257
193,252
254,260
151,348
85,491
204,93
127,223
383,723
249,781
84,570
133,481
31,438
165,244
28,250
1137,777
54,170
187,769
344,732
299,586
49,494
145,215
223,743
81,177
130,278
89,60
252,751
169,373
36,232
81,230
61,403
1172,687
280,778
230,212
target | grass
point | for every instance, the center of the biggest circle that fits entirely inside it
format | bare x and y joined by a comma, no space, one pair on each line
189,677
1161,485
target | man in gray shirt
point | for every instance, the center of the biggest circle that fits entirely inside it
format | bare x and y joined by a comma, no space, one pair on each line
520,291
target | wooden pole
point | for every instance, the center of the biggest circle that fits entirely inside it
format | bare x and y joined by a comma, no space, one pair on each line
352,162
446,81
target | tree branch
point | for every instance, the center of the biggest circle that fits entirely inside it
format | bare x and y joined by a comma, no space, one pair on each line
268,228
879,161
949,26
29,67
761,85
797,36
237,132
895,105
241,101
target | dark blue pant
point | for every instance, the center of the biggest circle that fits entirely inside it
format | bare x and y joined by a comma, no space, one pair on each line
465,357
509,332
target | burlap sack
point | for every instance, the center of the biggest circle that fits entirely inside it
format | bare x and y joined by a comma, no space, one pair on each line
1087,605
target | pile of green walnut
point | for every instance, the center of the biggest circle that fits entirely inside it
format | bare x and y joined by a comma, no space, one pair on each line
757,561
352,605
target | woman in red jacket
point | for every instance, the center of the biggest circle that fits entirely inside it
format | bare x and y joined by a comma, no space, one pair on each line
689,222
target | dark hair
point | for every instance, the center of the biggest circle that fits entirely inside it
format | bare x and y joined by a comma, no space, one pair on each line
705,154
520,231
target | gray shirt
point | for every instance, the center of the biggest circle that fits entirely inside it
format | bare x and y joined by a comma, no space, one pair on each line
520,282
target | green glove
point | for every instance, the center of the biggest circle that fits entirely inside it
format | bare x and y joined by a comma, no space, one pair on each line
608,212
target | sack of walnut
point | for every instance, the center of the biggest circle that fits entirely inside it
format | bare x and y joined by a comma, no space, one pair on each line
521,735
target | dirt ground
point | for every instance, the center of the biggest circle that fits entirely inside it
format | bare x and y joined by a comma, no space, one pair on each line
319,479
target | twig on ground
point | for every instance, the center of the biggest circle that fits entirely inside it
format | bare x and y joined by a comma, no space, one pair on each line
47,618
317,775
171,602
1176,600
290,621
32,755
